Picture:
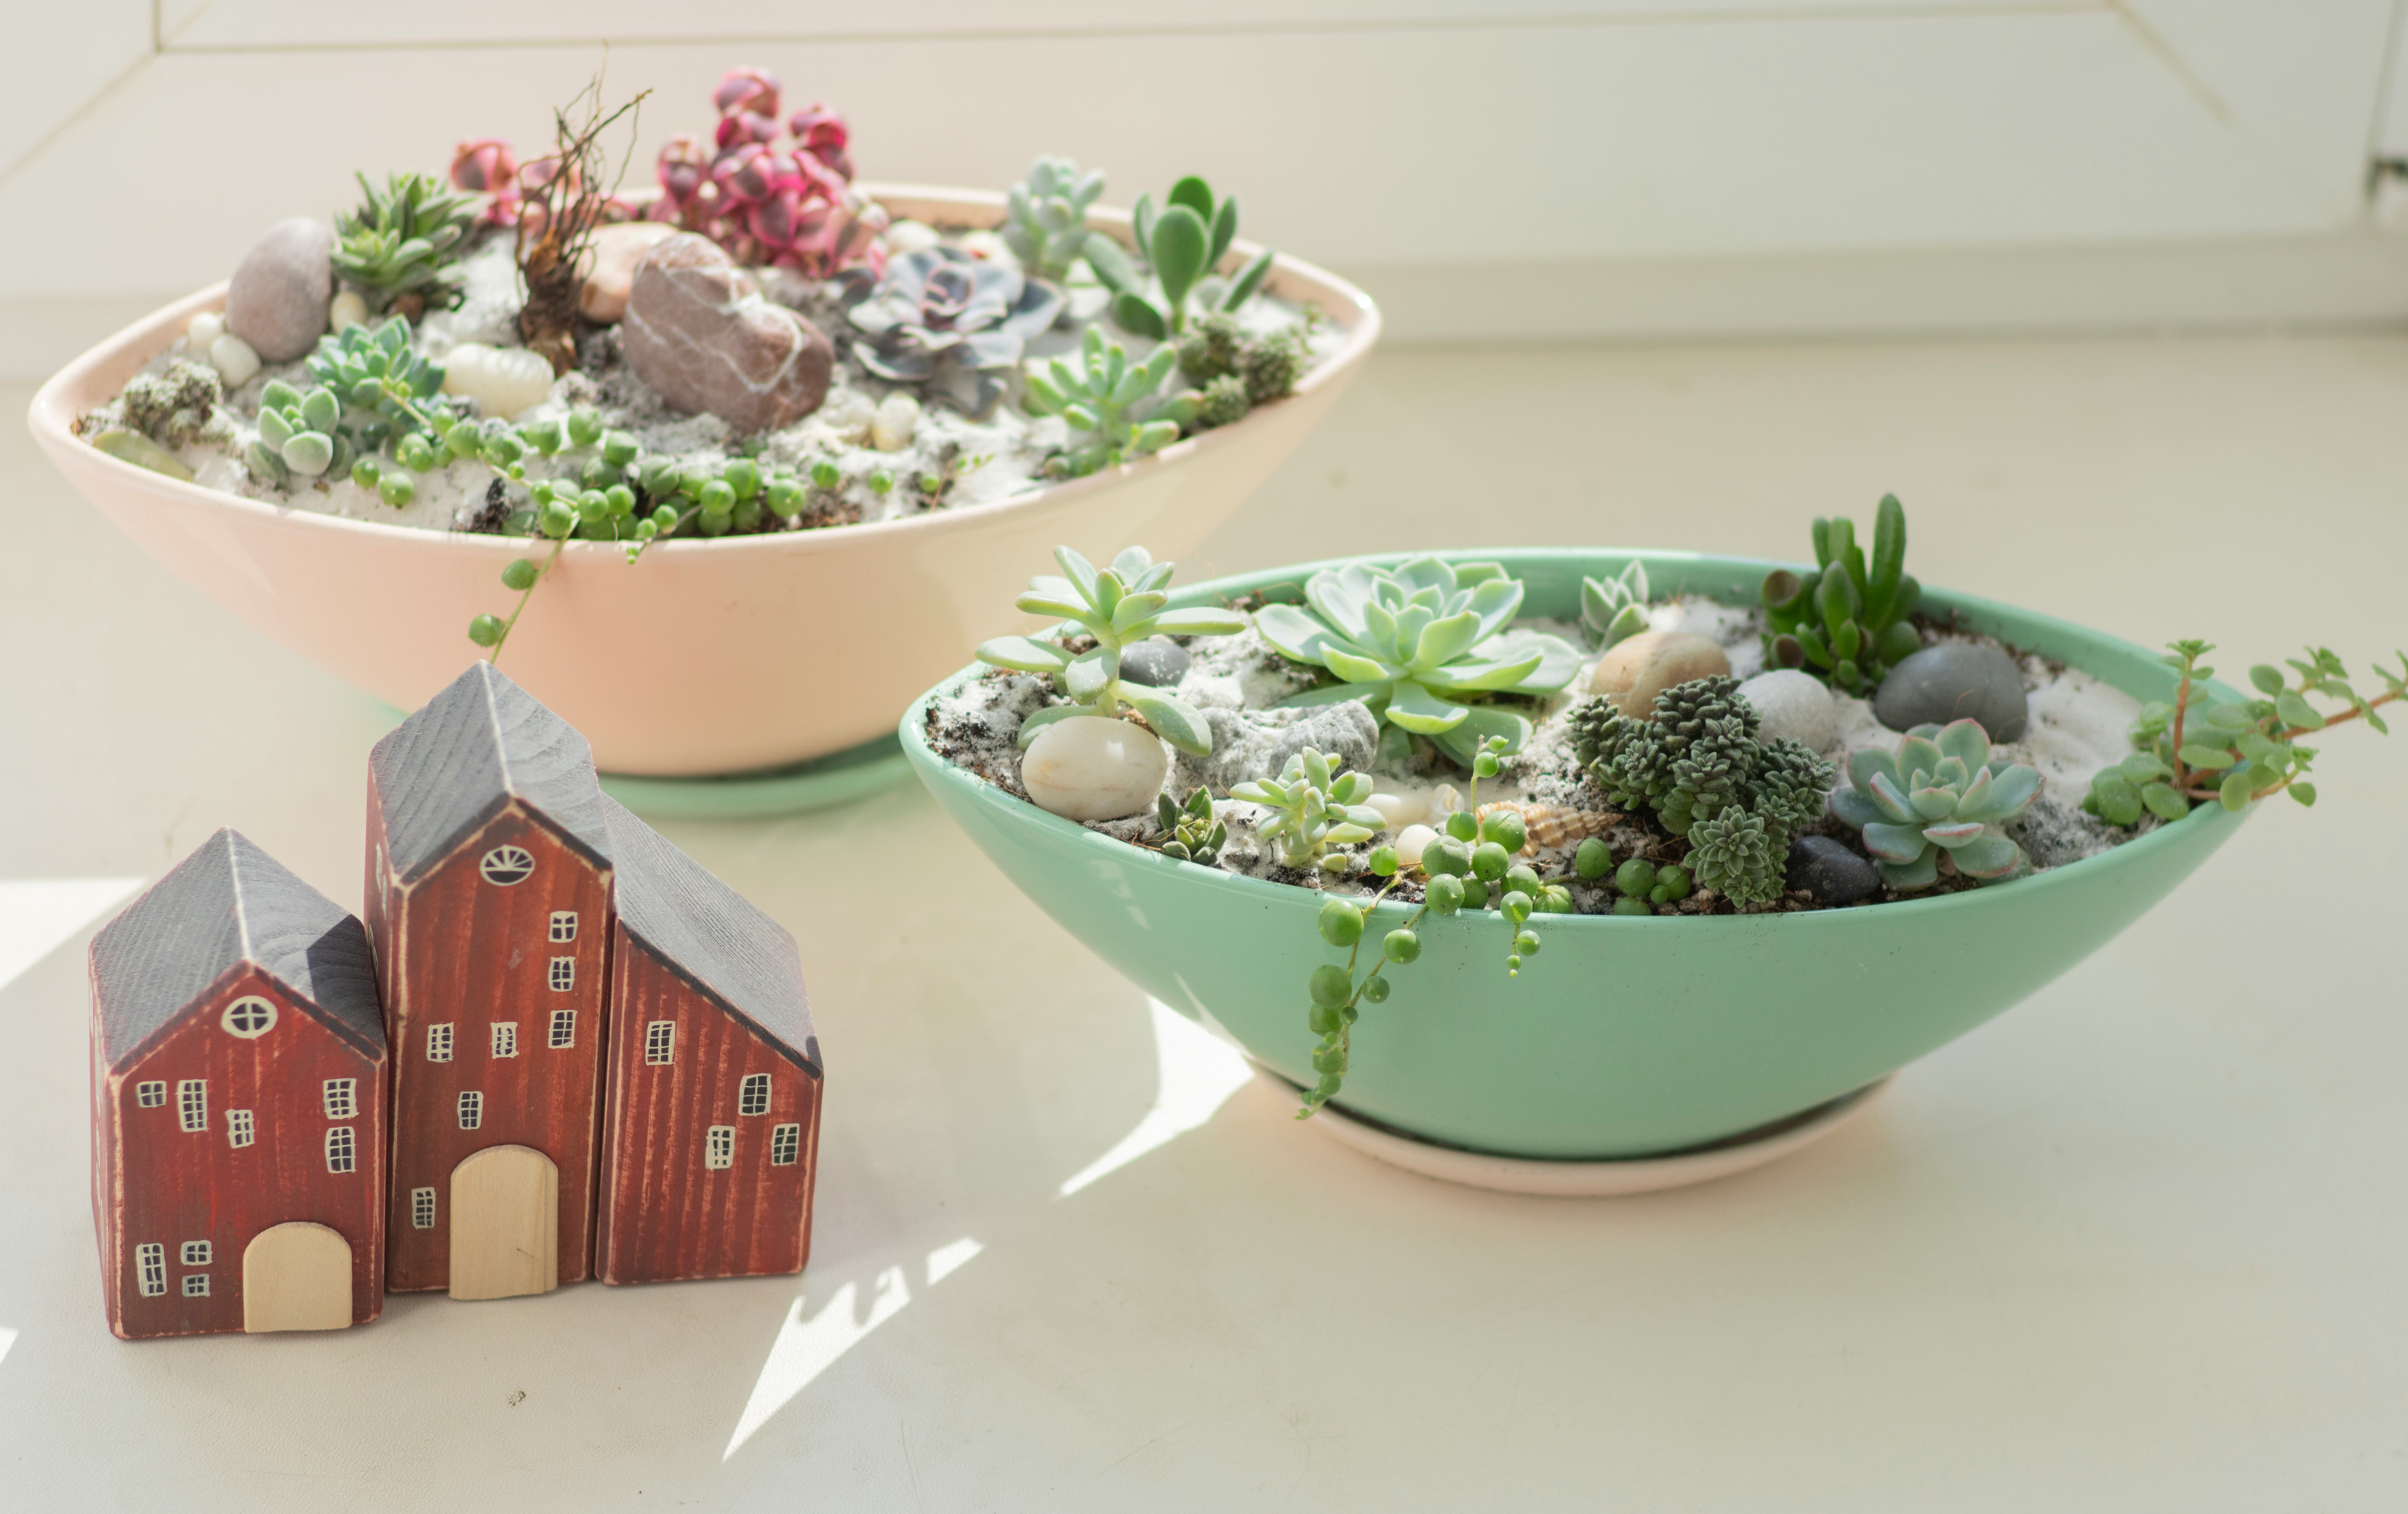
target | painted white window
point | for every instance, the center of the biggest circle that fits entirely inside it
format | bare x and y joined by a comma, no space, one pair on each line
438,1043
151,1094
563,1028
340,1154
659,1042
241,1132
196,1285
564,924
198,1253
563,974
719,1147
192,1104
506,1037
249,1016
472,1110
505,866
150,1267
753,1096
422,1208
342,1098
786,1145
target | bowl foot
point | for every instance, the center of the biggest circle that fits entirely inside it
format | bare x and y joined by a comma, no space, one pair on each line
821,783
1602,1178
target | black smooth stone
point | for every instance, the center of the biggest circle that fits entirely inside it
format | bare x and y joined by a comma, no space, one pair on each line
1831,872
1958,681
1155,663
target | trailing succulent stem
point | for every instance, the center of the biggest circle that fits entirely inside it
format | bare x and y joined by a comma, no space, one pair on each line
1118,606
1939,798
2195,749
1183,244
1845,622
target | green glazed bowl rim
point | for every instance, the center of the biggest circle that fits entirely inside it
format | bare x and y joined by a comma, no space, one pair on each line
1973,608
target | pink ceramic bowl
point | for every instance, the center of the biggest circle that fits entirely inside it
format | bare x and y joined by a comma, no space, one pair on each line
704,657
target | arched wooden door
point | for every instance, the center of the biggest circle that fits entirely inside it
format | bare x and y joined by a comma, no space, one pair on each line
505,1223
296,1277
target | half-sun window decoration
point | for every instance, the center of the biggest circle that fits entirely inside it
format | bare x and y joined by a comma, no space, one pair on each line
192,1104
341,1154
564,925
752,1097
151,1094
786,1145
439,1042
240,1129
659,1042
563,974
422,1208
249,1016
564,1029
719,1147
342,1098
506,1037
472,1110
505,866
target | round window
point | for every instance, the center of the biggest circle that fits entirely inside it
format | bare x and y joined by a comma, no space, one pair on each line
506,865
248,1017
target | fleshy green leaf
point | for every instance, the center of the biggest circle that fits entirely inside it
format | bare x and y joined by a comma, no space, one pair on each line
2164,802
1174,720
1040,720
2296,711
1895,843
1987,856
1204,621
1022,654
2234,792
1417,710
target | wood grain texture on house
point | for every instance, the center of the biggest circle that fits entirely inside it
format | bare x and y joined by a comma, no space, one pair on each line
711,1140
238,1076
489,894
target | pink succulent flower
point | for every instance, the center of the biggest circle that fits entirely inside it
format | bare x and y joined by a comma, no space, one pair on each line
750,90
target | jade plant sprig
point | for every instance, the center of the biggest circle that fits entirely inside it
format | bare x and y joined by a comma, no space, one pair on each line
2195,749
402,244
1119,607
1847,621
1314,808
1937,797
1422,645
1183,244
1107,396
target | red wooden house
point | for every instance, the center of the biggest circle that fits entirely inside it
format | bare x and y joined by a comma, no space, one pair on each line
238,1100
710,1135
488,897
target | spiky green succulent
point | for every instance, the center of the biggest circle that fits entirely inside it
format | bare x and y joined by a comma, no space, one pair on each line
1045,216
1615,610
1847,621
1421,645
404,240
1190,831
1940,794
1316,809
1107,396
1118,606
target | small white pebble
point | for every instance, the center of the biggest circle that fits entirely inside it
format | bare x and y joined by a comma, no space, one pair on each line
989,247
897,418
849,415
1443,801
1089,769
346,309
203,333
1398,812
234,359
909,237
1411,842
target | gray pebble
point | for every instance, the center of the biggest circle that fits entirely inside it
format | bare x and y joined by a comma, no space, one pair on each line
1251,744
1958,681
1346,734
1156,664
277,300
1831,872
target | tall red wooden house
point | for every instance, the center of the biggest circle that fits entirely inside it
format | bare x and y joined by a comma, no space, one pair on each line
488,899
710,1138
239,1104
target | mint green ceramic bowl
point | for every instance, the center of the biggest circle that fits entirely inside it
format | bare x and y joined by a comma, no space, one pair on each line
1622,1037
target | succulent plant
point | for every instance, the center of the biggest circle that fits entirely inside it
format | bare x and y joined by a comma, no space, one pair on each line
1939,794
1213,346
951,322
302,432
1118,606
822,132
747,92
793,205
175,405
1317,808
1413,641
1845,622
1183,244
1234,372
1274,365
1045,217
1740,853
1190,831
404,241
489,167
1107,396
1615,610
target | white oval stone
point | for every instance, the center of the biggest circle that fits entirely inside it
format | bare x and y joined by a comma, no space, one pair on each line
1792,704
1397,810
909,237
1412,842
346,309
849,415
234,360
897,418
1090,768
203,333
503,380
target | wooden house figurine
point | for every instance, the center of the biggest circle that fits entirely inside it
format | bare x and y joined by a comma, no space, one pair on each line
488,899
710,1132
239,1104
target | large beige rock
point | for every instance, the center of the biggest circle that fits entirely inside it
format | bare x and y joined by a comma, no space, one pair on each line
695,332
1635,670
618,248
1090,768
277,300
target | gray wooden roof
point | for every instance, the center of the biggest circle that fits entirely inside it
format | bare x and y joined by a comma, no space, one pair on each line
712,936
453,765
227,906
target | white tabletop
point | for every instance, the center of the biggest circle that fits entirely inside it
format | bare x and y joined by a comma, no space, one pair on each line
2137,1244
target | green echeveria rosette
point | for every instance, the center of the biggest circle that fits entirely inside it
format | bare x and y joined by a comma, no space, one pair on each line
1420,645
1940,793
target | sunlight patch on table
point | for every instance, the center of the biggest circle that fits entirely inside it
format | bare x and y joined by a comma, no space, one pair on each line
38,915
1196,1073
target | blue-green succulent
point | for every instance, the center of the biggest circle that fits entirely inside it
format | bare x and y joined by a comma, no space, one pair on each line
1615,610
1045,217
1107,396
1941,795
1316,809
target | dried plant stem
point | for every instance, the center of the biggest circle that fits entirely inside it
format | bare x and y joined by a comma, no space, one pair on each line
567,208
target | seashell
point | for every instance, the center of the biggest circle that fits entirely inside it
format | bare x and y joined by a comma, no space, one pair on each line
1551,827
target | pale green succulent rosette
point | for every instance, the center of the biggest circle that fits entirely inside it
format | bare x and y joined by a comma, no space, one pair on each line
1939,793
1316,809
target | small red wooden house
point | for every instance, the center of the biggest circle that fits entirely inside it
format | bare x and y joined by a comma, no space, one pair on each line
710,1137
239,1104
488,899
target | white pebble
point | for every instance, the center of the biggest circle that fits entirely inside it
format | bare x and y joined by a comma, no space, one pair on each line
203,333
234,359
1398,812
849,415
989,247
346,309
1792,704
1090,768
503,380
909,237
1411,843
897,418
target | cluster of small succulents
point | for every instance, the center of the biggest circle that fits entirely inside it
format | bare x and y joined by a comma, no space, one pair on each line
1191,832
1045,217
1938,799
1314,808
1697,761
1423,645
1615,610
1181,244
174,406
1231,372
1110,399
955,323
1847,621
401,246
766,203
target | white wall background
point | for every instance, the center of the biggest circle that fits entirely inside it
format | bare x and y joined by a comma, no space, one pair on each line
1574,167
